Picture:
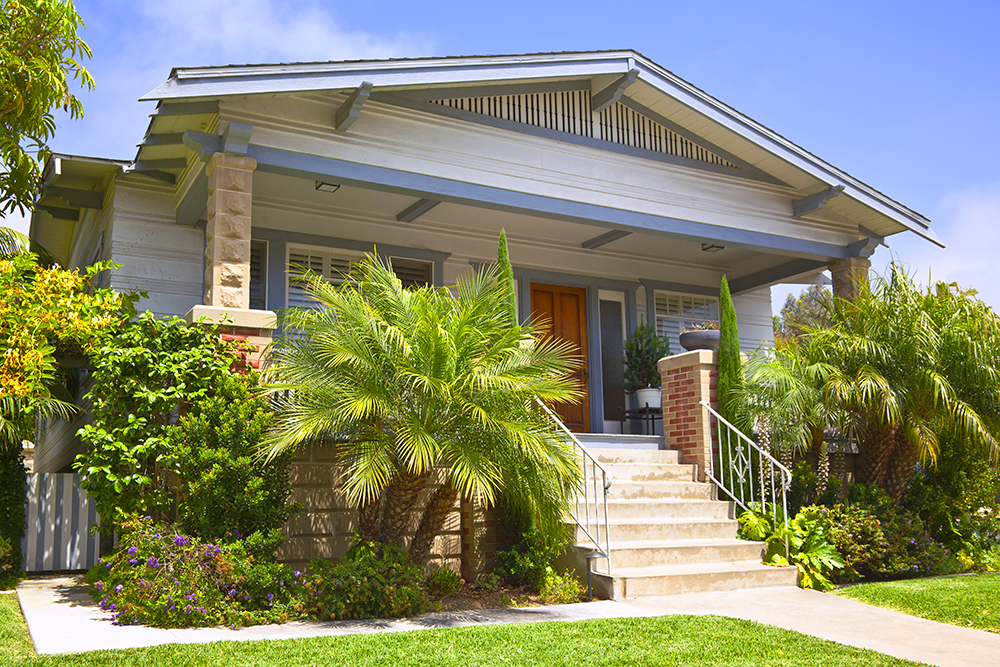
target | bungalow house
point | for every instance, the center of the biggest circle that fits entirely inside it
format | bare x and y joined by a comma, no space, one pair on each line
626,194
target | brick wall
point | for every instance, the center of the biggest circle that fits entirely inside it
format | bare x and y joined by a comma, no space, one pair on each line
688,379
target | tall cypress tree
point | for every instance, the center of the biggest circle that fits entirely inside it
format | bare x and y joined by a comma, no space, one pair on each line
730,364
507,275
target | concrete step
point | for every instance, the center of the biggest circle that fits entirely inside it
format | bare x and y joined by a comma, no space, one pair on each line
626,490
645,530
651,472
606,456
677,552
680,579
614,441
664,508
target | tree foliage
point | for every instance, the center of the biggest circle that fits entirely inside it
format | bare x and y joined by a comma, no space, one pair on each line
143,379
810,310
507,276
730,362
41,54
226,489
405,382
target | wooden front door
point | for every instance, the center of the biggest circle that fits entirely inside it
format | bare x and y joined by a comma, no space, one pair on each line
563,313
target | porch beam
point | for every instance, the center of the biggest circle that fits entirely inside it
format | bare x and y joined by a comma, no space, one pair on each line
158,165
165,139
775,274
386,179
60,213
236,138
806,205
605,98
158,175
864,247
186,109
604,239
413,212
350,110
76,198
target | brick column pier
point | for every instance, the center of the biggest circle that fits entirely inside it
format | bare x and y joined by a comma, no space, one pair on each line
688,379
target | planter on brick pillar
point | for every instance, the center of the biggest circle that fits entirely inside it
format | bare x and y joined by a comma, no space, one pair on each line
227,235
688,379
252,327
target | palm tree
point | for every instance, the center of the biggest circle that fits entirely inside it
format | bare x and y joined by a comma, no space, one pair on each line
413,383
911,363
785,403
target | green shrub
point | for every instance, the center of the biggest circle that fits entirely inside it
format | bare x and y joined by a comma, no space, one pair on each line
442,582
6,562
525,563
643,350
371,581
143,377
857,534
806,543
560,588
163,578
227,489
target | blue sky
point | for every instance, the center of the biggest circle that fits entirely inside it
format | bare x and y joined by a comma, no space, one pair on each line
903,95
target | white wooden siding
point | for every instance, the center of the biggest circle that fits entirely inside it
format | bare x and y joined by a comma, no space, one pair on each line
60,515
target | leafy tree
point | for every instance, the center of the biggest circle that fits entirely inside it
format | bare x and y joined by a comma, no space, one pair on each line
45,312
730,362
811,310
404,382
507,276
144,378
41,54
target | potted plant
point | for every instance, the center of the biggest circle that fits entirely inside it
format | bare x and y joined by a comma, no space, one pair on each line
642,350
701,336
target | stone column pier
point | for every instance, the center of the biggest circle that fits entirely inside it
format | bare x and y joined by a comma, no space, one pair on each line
848,275
227,236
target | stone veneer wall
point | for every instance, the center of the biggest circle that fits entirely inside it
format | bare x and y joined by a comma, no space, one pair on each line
688,379
324,527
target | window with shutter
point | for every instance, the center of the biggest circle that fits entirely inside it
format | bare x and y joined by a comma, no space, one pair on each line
335,264
675,312
258,275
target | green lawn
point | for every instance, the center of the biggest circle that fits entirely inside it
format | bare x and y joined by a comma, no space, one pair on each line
667,640
971,601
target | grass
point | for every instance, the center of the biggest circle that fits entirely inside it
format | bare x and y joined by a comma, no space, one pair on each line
665,640
970,601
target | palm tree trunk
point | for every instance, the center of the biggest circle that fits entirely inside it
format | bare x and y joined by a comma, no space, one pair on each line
818,447
368,520
432,522
876,446
901,466
400,498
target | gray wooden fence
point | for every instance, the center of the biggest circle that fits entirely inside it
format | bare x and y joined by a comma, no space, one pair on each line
60,515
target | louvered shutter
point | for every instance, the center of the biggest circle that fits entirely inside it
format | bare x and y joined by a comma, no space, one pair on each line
413,273
258,275
300,261
675,312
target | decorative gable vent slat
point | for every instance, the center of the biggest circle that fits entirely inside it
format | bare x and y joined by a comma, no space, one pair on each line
571,112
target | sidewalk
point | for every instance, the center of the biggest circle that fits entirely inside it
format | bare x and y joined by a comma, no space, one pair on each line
62,619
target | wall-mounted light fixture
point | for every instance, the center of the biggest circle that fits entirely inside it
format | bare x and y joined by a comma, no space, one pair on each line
709,247
327,187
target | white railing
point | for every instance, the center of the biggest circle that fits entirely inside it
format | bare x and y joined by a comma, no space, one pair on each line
594,475
747,472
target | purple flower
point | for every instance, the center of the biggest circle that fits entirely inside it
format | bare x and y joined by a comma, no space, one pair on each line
181,541
118,588
132,551
153,562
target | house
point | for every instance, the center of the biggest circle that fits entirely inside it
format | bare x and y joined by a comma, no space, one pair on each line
626,194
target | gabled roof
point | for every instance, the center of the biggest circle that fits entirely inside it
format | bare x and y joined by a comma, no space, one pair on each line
654,88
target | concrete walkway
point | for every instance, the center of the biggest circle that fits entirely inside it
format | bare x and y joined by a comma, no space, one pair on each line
62,619
841,620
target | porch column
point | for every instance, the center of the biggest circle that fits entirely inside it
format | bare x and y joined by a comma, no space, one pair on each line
227,236
848,276
688,379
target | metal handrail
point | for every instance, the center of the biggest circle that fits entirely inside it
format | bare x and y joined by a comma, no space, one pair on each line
737,480
582,519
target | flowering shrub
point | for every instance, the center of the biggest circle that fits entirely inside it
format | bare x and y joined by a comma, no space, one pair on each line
166,579
857,535
560,588
371,581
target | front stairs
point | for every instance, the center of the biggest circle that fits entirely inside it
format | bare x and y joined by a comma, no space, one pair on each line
668,534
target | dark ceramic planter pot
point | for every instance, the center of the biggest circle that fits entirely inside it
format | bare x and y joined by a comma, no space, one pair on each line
707,339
